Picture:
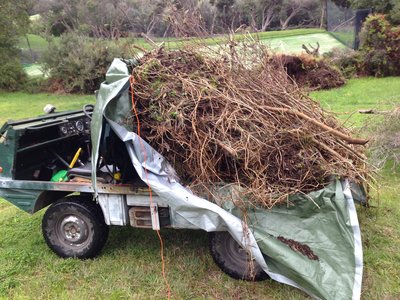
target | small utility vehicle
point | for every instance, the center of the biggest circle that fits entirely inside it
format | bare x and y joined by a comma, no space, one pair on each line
46,161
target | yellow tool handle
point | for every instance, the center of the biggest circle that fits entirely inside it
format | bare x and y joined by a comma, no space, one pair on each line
72,164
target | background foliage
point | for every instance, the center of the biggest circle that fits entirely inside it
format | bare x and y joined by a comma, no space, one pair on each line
380,45
13,22
115,19
76,63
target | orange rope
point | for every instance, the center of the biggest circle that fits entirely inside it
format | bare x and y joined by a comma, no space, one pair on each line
131,81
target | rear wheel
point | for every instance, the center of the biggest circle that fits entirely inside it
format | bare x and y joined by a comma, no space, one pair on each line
233,259
75,227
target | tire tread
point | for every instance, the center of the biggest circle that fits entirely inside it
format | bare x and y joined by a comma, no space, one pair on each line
92,211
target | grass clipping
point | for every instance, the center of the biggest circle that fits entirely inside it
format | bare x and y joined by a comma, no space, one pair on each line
237,119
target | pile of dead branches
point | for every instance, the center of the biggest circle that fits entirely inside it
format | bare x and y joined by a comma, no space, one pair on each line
217,119
309,72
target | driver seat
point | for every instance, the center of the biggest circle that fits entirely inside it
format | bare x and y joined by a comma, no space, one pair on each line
85,172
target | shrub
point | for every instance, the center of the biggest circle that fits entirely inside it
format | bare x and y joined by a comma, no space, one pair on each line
12,74
380,47
78,64
346,60
34,84
394,14
14,21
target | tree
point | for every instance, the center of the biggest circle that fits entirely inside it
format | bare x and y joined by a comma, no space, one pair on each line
291,8
58,16
391,8
267,10
388,7
114,18
226,16
149,17
14,22
185,18
379,6
104,18
322,21
109,19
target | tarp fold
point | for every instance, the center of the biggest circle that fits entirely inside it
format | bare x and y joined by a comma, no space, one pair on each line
313,243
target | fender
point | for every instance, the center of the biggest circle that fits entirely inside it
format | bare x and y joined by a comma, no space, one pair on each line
46,198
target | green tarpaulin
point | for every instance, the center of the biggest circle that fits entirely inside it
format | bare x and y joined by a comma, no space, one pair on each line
313,243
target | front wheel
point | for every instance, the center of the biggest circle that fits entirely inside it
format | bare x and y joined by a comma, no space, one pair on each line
233,259
75,227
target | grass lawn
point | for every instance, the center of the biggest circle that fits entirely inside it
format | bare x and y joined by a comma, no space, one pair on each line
285,41
39,44
359,94
346,37
21,105
130,267
293,44
36,42
380,229
33,70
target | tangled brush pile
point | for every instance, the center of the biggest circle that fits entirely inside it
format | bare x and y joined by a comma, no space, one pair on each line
309,72
219,118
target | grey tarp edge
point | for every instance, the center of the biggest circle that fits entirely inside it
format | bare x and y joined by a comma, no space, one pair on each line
194,210
358,252
190,210
328,230
117,78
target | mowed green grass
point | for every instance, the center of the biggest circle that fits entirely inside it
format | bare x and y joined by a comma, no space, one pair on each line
361,94
380,230
21,105
285,41
37,43
130,266
40,44
293,44
34,70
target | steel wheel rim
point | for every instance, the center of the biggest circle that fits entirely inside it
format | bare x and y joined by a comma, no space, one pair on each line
73,230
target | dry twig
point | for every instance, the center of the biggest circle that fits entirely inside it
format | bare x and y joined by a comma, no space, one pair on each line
238,119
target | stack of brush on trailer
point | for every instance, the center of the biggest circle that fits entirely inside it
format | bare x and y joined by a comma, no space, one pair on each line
310,72
234,117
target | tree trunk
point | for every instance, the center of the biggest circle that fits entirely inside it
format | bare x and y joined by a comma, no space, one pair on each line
166,31
150,26
284,24
30,49
253,22
213,23
323,14
266,18
233,24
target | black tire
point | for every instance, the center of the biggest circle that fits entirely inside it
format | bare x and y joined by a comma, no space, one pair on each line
75,227
233,259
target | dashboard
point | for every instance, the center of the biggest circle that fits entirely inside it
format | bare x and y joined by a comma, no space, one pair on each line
75,126
52,128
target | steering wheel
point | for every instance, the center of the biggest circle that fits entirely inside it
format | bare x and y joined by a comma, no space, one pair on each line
88,110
